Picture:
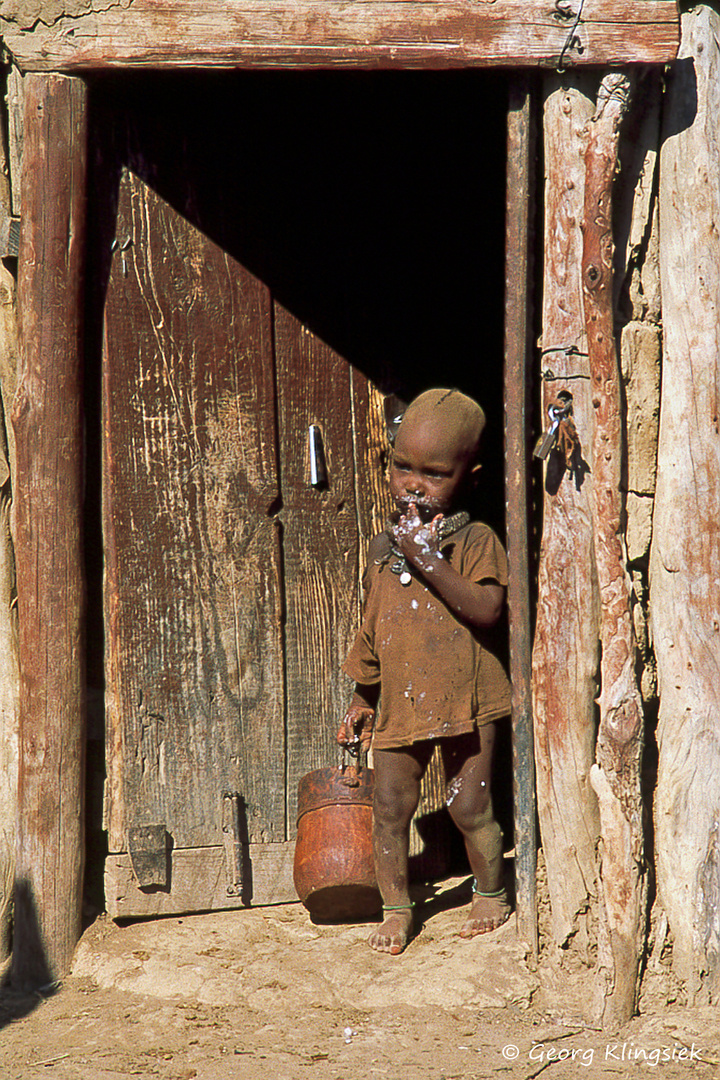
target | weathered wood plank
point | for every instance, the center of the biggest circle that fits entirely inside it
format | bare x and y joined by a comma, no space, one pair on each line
615,776
566,650
47,526
318,33
518,293
198,882
193,594
320,545
685,552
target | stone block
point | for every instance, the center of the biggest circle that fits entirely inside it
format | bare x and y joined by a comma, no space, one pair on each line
639,526
641,351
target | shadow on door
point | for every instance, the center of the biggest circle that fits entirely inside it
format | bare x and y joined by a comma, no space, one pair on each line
371,206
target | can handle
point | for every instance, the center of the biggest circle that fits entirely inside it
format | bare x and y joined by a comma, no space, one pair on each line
350,772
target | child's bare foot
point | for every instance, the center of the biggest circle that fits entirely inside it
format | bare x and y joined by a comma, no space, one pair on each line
486,913
394,932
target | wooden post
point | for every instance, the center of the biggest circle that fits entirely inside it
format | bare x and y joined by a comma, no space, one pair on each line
685,551
517,337
8,619
565,651
616,774
47,419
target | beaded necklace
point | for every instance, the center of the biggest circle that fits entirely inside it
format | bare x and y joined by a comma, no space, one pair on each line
445,528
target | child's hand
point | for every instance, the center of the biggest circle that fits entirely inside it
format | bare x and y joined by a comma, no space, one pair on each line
418,540
357,727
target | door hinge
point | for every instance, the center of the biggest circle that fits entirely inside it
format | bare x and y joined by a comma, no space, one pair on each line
148,849
9,237
234,830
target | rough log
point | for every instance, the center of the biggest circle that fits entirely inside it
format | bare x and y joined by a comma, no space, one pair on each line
47,419
8,628
565,654
685,552
317,33
616,774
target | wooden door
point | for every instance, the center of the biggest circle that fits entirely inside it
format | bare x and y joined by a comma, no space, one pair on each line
230,581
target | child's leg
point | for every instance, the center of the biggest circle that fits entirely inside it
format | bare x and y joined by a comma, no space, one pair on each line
468,768
398,773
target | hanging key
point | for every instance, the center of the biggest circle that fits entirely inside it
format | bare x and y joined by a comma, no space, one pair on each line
548,441
556,413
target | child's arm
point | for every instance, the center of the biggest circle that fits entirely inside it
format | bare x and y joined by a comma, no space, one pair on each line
478,605
359,720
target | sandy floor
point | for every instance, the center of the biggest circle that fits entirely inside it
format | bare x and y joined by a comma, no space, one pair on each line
239,995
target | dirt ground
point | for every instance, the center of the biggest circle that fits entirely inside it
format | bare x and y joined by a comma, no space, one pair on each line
236,995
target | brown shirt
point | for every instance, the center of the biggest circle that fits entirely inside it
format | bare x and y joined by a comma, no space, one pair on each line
437,676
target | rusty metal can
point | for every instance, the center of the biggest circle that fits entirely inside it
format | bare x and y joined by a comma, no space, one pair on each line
334,870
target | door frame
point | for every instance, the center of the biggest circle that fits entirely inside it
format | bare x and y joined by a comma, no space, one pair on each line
48,486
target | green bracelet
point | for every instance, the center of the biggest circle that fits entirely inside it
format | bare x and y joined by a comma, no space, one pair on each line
398,907
486,895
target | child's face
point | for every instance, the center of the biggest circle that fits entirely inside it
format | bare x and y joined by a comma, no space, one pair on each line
427,469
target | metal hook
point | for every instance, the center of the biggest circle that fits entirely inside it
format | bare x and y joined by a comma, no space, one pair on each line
573,40
563,11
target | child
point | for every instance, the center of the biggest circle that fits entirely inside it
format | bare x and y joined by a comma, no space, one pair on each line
434,582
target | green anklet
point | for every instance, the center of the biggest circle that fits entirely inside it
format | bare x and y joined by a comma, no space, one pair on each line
398,907
486,895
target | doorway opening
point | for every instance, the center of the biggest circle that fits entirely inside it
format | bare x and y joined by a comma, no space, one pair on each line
370,205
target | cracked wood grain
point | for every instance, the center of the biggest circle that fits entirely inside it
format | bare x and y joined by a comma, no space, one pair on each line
309,33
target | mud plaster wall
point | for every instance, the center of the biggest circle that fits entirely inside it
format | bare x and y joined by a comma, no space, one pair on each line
638,301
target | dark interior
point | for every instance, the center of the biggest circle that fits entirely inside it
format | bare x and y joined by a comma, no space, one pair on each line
371,203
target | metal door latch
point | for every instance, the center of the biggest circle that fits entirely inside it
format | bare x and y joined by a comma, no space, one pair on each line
318,467
122,247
